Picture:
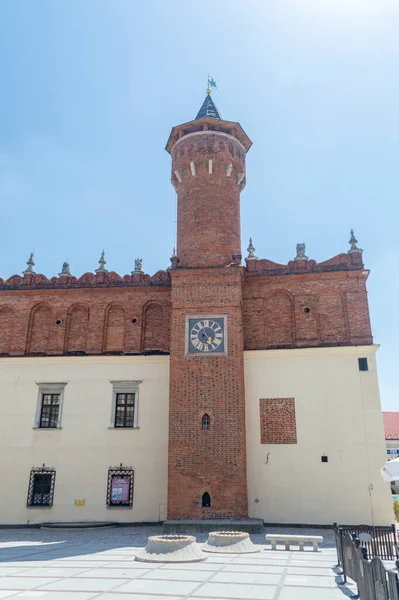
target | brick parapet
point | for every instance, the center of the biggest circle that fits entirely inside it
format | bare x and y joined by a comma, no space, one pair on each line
103,280
305,310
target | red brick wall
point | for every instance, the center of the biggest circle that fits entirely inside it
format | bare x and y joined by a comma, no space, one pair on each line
277,421
156,327
77,329
6,329
58,321
114,329
279,318
211,461
296,310
39,329
208,204
300,310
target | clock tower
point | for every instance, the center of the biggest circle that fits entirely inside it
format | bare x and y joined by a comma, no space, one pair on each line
207,448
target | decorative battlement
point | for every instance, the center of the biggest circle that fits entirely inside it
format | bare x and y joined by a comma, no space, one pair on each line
102,278
211,153
350,261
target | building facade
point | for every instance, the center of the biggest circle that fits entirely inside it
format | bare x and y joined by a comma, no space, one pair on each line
391,427
209,390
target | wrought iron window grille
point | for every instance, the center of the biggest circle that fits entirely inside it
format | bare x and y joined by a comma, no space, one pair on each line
116,497
41,487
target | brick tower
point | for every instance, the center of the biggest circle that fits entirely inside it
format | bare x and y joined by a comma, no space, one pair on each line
207,456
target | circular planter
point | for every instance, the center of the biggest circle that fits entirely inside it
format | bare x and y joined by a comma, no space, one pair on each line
230,542
171,548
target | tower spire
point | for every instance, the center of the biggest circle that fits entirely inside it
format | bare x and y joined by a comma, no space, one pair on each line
208,108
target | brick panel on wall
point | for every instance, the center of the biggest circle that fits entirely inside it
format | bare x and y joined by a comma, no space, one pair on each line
279,319
6,329
277,421
254,324
77,329
156,328
358,314
38,337
332,318
114,329
306,319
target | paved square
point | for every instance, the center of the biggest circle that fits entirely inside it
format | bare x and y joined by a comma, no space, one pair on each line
86,564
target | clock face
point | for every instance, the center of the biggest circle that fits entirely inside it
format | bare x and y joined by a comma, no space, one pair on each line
206,335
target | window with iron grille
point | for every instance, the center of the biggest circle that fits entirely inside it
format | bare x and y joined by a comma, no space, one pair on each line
50,410
124,410
125,400
120,487
49,405
41,488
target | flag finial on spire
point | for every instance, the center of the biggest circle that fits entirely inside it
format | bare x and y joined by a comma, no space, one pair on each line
211,84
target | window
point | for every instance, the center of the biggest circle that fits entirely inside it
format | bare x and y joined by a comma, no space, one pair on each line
50,410
124,410
120,487
324,458
363,365
49,405
41,488
206,422
124,413
206,500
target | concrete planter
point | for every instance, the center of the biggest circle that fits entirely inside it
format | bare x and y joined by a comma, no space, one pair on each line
231,542
171,548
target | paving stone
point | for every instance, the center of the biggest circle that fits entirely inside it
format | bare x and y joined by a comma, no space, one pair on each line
232,591
147,586
115,573
83,585
58,595
251,578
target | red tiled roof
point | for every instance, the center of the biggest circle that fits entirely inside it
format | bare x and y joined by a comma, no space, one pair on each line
391,425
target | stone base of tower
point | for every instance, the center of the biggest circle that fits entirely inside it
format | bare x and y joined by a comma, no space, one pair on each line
206,525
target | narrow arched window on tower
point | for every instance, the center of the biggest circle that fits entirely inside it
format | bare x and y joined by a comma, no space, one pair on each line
206,500
206,422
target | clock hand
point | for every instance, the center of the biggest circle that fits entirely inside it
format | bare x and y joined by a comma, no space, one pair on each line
203,333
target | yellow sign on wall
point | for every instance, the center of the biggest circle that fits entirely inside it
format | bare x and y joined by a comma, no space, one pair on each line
79,502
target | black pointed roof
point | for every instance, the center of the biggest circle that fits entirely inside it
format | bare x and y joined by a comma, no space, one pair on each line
208,109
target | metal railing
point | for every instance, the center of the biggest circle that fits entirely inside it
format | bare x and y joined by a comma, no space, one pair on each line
383,542
373,580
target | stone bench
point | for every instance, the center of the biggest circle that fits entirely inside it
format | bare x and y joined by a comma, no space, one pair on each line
298,539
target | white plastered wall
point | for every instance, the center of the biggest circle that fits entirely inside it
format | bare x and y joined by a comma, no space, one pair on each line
85,447
338,414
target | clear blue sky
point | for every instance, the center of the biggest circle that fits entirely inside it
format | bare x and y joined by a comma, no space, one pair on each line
91,88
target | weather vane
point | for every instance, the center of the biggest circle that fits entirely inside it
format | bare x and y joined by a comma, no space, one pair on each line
211,84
